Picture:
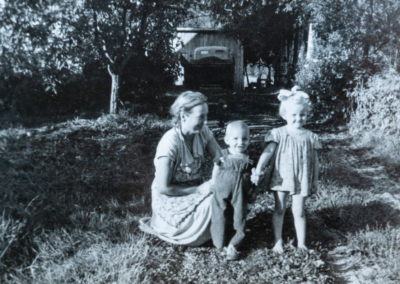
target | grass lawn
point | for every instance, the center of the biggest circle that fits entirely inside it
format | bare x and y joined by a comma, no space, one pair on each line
72,194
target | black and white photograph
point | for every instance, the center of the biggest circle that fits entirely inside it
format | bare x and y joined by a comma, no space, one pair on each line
200,141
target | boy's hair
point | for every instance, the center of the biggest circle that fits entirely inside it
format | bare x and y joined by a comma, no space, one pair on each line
236,123
293,97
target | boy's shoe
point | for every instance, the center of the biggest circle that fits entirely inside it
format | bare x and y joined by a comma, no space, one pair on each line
232,253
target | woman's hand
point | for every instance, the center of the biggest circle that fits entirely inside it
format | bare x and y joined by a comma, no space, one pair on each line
205,188
163,180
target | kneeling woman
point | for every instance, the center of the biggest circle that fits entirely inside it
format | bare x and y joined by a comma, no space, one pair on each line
180,197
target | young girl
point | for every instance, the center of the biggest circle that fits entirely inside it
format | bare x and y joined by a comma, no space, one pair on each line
295,170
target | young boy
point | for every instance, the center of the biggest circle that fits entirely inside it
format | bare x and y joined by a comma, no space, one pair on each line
231,180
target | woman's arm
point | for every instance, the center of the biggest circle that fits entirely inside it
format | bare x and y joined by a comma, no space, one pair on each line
164,168
316,169
213,148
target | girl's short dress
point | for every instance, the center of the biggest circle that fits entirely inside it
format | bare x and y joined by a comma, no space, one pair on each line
294,161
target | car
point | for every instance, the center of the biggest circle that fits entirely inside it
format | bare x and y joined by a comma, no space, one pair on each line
209,66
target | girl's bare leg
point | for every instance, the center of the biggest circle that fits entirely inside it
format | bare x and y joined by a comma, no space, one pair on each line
279,213
298,202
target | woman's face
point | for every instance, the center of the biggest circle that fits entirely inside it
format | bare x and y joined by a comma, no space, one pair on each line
194,121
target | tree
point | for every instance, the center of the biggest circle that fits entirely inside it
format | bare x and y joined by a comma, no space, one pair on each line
31,44
363,30
124,29
38,36
268,30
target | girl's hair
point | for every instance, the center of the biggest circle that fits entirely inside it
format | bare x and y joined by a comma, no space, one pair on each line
184,104
293,97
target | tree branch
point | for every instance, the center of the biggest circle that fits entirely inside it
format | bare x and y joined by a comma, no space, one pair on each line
106,52
97,31
126,60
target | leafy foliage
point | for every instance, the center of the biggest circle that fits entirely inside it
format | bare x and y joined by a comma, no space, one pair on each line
325,79
376,105
374,117
55,40
362,29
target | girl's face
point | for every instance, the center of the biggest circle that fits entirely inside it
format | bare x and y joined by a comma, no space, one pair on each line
296,115
194,121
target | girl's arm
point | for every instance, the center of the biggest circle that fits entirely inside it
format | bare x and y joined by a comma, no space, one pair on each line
164,168
265,157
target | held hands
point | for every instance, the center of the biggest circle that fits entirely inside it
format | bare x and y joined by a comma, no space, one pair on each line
255,177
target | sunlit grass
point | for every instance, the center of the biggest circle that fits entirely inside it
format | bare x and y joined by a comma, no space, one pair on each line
377,253
72,195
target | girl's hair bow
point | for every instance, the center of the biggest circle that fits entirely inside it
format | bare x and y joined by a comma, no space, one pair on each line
285,94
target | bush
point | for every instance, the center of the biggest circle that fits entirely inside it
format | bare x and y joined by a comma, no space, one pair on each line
376,105
325,81
375,117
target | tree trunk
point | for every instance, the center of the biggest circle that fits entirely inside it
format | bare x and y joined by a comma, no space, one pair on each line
269,79
247,76
310,43
114,91
296,47
369,30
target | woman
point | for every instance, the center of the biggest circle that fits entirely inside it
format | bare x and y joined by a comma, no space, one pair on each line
180,197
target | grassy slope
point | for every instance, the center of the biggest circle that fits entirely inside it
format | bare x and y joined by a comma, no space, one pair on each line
72,194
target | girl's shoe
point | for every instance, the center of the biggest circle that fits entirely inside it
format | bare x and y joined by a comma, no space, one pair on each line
232,253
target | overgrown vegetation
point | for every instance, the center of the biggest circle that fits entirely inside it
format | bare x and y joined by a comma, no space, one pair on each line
375,117
63,178
73,193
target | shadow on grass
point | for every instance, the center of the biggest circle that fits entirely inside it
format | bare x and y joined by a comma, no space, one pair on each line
324,227
349,167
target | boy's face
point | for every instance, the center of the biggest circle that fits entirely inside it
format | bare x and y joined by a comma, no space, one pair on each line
237,138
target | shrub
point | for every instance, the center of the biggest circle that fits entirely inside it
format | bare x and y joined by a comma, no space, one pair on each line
376,105
375,117
325,81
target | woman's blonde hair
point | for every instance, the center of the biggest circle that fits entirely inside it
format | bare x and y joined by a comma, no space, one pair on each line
184,104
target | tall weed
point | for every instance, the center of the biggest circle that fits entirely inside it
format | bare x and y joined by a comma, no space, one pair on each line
375,116
377,253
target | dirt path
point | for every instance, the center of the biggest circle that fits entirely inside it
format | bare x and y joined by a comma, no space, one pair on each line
379,186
